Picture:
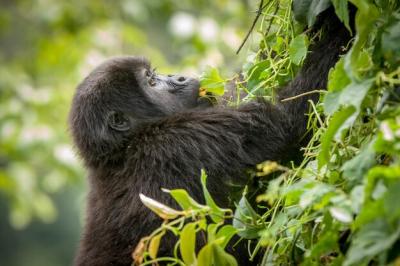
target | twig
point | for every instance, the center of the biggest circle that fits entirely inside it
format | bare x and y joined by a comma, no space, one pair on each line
302,94
259,11
272,19
316,113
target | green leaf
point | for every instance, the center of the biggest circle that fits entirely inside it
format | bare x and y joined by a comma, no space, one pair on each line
212,232
306,11
226,232
279,45
187,244
363,62
335,124
352,95
245,218
378,205
327,242
221,257
184,200
205,256
391,205
370,241
312,193
256,74
269,235
298,49
392,209
391,39
213,255
212,81
366,16
155,244
217,214
337,78
380,172
355,169
342,11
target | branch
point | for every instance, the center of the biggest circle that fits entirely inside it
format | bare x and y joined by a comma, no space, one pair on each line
259,12
302,94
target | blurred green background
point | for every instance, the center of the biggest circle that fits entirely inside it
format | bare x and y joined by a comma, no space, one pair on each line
46,48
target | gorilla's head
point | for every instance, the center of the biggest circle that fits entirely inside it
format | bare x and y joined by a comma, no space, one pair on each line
119,96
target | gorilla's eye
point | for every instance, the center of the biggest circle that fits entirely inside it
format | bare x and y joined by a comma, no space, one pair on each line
151,77
147,73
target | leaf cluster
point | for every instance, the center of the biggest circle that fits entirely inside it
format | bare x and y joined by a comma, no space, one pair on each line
340,205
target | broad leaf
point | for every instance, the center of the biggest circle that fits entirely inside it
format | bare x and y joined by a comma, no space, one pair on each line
370,241
212,255
366,16
212,81
342,11
306,11
298,49
226,232
355,169
218,213
352,95
391,39
187,244
334,125
155,244
184,200
243,220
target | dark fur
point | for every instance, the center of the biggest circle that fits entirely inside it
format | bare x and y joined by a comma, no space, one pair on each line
168,142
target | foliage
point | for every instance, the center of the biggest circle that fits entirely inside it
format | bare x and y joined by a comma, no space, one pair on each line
187,225
212,82
340,205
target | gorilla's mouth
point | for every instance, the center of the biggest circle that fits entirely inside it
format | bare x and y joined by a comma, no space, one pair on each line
206,98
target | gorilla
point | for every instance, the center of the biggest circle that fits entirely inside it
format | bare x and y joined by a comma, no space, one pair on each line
138,131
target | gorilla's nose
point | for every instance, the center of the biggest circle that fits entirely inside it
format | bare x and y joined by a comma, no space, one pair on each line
177,79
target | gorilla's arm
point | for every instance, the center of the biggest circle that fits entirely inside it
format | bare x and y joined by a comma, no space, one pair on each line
218,140
322,56
225,141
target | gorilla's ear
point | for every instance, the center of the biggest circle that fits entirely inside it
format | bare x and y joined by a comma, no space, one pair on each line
118,121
